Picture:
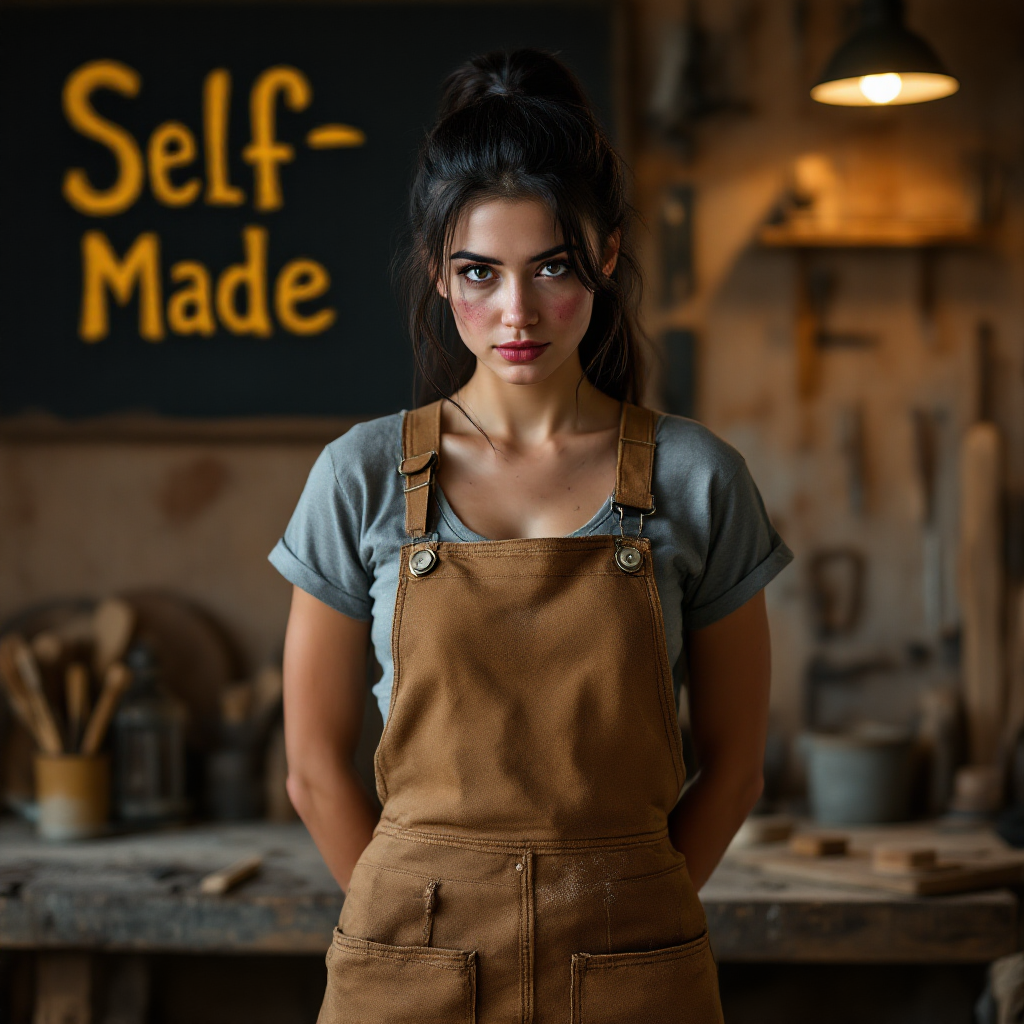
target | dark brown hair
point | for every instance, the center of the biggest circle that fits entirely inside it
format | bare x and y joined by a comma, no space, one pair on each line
518,126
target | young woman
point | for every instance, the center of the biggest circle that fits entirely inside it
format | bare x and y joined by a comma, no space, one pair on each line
548,565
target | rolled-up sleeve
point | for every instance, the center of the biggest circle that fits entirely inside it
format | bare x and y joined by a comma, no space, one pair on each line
744,552
319,551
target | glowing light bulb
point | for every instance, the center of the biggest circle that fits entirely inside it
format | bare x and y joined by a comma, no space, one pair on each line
881,88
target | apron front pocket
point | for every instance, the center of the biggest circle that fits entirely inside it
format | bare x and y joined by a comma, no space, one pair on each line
672,985
374,983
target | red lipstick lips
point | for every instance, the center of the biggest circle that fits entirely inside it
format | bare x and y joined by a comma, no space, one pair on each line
521,351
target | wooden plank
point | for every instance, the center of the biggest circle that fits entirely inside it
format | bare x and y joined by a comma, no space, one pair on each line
753,918
857,869
141,893
884,234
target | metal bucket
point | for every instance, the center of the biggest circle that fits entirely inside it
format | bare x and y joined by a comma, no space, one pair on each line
859,778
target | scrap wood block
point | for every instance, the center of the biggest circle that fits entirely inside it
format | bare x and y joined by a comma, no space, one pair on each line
902,860
219,882
821,844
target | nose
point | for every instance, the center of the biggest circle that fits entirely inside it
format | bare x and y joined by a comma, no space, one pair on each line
519,311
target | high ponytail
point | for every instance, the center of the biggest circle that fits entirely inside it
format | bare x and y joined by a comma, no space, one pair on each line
519,126
520,73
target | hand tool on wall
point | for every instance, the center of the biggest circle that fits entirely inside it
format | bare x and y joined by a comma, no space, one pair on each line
851,442
837,590
927,295
926,425
981,569
807,327
115,685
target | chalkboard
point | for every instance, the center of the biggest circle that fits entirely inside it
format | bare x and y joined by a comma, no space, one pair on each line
199,203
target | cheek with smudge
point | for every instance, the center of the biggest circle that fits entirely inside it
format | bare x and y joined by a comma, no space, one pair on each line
472,313
567,309
472,310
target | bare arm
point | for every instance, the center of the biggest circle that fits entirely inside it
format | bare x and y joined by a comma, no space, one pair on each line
730,672
324,690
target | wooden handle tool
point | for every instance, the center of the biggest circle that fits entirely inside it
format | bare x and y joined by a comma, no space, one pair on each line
47,733
76,694
113,623
117,681
47,647
10,677
219,882
982,589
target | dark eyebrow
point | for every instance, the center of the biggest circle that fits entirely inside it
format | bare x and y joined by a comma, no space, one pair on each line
548,253
465,254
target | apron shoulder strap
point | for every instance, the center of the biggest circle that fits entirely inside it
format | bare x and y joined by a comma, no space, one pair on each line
421,448
636,457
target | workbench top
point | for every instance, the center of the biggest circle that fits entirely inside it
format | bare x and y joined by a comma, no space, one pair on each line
141,892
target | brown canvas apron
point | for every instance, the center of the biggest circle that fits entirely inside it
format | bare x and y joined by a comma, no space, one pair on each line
521,870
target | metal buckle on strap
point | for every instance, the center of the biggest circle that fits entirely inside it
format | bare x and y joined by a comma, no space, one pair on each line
644,513
431,462
628,556
428,468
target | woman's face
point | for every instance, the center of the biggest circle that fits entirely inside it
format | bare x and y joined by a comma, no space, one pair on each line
518,305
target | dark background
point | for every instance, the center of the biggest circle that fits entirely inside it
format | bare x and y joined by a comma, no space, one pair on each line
375,66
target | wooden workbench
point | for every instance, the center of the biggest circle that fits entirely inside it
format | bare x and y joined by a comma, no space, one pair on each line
140,893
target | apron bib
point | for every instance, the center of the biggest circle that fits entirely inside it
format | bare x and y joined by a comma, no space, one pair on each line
521,871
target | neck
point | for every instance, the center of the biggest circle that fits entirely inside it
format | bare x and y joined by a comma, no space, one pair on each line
533,413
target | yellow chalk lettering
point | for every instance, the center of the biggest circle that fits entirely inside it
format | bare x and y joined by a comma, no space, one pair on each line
299,281
189,309
101,269
250,276
172,145
264,153
78,109
216,104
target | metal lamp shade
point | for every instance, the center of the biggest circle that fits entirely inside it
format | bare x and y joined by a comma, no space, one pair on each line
883,46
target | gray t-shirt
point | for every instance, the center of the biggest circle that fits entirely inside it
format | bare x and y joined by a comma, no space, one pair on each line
712,542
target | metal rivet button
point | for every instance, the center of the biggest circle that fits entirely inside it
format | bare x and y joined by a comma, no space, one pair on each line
422,561
628,558
519,867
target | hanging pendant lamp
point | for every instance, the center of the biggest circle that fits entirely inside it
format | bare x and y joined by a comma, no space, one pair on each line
883,63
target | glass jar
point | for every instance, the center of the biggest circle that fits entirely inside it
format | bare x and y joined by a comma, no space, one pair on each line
149,746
